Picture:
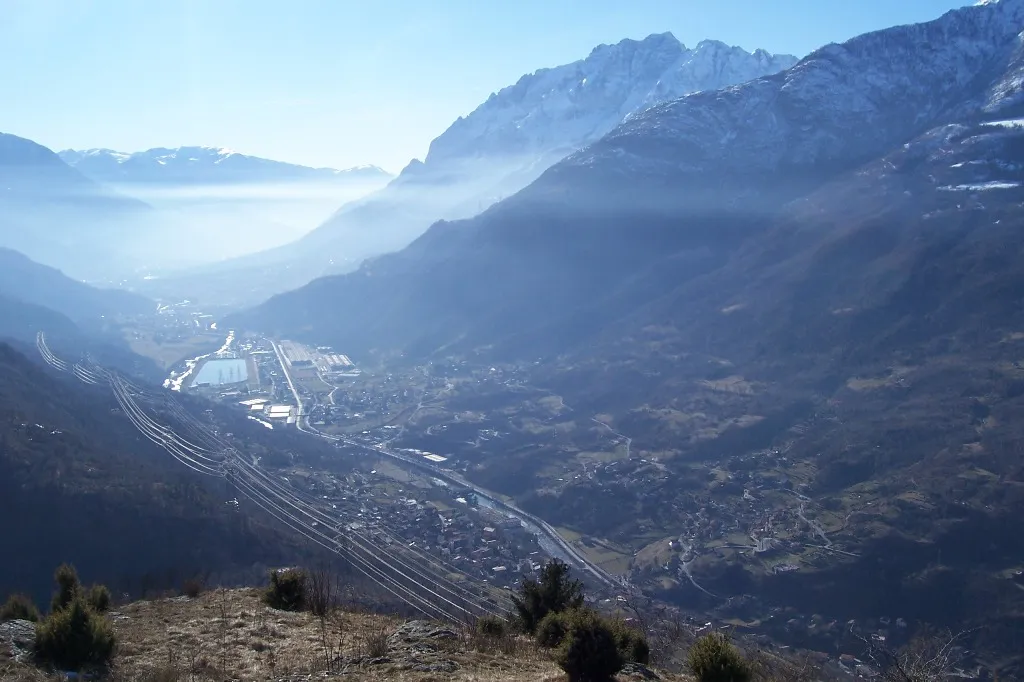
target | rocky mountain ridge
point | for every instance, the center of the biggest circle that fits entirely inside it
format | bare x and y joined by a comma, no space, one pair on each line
564,108
841,104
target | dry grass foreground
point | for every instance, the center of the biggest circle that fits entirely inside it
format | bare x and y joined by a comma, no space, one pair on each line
232,635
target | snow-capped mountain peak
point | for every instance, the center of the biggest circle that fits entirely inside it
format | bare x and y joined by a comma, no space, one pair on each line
201,164
119,157
561,109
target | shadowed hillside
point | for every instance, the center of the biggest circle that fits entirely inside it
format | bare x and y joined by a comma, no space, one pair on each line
89,489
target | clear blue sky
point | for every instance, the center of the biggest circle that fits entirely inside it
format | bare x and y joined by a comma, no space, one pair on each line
342,82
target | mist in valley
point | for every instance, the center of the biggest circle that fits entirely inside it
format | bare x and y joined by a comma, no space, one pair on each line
255,241
215,222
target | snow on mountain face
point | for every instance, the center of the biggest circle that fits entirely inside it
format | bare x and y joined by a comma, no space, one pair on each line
201,164
564,108
841,104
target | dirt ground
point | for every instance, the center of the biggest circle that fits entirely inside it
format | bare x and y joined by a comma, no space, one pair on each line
232,635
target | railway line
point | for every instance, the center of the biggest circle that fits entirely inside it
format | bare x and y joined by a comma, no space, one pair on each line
420,581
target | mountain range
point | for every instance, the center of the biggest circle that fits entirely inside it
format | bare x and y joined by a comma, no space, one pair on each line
819,267
692,178
509,140
37,298
204,165
233,203
108,216
22,278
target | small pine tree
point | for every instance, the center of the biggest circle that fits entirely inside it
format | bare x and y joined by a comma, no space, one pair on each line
554,592
588,652
98,598
631,643
287,590
713,658
68,587
19,607
551,630
75,637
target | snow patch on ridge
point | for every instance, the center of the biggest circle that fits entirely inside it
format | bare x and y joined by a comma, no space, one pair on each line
1012,123
980,187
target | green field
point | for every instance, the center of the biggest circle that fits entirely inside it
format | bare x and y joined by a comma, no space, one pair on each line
166,355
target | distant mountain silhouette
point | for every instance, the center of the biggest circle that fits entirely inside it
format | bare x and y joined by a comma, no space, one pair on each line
204,165
55,215
24,279
85,487
20,320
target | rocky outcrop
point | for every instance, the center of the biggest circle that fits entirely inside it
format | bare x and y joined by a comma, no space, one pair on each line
17,640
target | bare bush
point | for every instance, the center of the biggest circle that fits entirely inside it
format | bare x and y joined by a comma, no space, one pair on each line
165,674
324,591
320,595
377,643
929,657
193,652
493,637
193,587
668,634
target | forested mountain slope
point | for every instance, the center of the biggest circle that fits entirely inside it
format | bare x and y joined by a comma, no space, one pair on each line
80,484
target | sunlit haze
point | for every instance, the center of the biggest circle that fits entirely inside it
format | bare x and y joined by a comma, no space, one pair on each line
542,340
328,83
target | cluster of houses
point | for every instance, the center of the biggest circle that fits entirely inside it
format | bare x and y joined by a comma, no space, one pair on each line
471,539
476,543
